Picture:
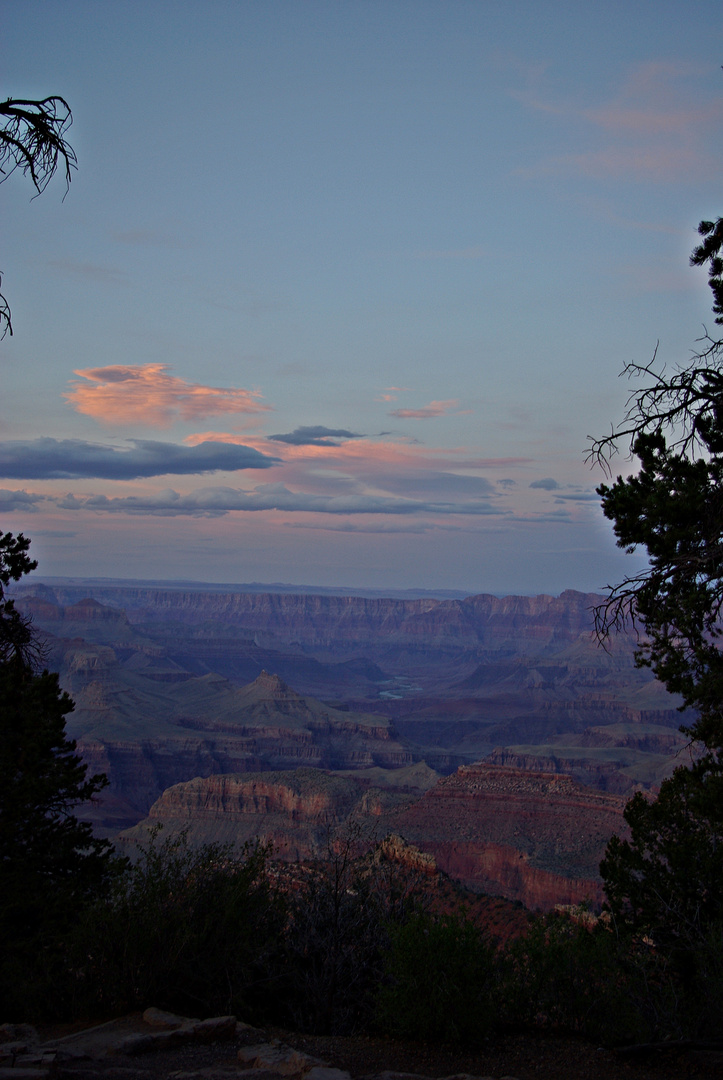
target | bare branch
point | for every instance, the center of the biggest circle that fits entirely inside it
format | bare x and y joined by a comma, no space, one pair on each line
6,321
681,405
33,139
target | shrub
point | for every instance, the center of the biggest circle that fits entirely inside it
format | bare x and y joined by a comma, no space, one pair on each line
574,976
338,934
193,930
439,980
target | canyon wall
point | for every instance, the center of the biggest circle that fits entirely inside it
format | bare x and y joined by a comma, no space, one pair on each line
532,837
176,688
348,623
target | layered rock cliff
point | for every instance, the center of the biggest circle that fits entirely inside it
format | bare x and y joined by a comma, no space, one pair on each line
533,837
149,734
351,623
299,812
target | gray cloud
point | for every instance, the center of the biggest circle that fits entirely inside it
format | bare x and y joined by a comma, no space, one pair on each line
315,436
548,484
583,496
108,275
75,459
379,528
429,483
217,501
18,500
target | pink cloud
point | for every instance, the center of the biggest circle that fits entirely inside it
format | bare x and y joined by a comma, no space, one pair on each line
390,393
651,102
657,120
435,408
650,121
147,394
639,162
399,454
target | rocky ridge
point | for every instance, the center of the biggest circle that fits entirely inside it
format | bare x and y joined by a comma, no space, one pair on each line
516,682
533,837
147,736
348,623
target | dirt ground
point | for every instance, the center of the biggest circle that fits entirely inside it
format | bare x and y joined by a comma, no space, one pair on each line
522,1057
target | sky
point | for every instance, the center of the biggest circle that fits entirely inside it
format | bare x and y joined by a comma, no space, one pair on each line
340,288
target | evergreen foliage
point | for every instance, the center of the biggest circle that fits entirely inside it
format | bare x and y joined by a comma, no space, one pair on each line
50,863
673,508
664,884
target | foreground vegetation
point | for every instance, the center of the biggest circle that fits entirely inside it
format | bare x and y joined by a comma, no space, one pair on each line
356,944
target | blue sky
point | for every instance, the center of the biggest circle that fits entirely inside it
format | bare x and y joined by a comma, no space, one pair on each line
339,290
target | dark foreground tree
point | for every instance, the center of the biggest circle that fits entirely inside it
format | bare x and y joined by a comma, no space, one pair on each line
673,508
33,139
665,884
16,638
666,880
50,863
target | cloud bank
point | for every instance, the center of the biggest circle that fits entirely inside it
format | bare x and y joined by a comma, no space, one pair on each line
217,501
19,500
75,459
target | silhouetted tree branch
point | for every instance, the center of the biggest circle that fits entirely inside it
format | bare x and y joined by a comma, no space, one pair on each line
673,425
33,139
683,406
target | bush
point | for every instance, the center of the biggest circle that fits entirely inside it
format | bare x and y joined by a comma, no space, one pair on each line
338,934
439,980
192,930
576,976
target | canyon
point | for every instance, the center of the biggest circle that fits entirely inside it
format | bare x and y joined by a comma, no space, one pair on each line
493,733
529,836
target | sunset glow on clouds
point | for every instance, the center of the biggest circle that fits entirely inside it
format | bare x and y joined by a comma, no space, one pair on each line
147,394
654,126
378,453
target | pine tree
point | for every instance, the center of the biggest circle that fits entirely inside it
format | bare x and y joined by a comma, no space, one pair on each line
665,883
50,863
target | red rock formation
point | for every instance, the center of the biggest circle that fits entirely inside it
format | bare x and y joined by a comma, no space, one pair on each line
298,811
533,837
147,738
536,837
